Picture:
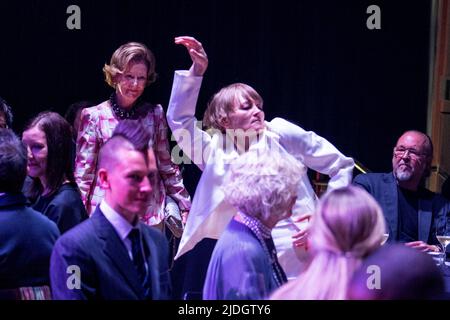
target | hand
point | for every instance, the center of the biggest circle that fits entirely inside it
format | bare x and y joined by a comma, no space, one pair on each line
184,216
301,237
197,53
422,246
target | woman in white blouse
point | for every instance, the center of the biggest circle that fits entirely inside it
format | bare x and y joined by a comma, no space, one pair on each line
235,122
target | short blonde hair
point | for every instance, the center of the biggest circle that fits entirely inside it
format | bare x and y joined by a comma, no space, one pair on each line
263,183
131,52
223,102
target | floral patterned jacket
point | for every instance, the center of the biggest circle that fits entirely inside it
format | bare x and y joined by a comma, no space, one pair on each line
96,127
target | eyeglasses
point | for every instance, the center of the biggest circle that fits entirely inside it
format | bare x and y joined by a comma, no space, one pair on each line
413,153
131,79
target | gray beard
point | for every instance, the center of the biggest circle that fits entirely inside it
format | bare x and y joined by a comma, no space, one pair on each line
403,175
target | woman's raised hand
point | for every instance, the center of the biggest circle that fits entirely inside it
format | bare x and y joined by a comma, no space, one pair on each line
197,53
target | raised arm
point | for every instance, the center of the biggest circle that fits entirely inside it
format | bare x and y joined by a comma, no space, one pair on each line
181,111
315,152
170,172
197,54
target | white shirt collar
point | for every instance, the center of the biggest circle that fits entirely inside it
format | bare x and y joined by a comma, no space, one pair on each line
120,224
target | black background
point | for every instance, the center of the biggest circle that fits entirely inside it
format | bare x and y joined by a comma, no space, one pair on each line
315,63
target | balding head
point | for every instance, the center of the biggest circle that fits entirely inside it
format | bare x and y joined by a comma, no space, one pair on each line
412,158
422,140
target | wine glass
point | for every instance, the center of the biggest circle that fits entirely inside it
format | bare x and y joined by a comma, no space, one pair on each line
443,235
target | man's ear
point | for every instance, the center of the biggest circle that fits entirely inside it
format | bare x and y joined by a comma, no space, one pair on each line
103,178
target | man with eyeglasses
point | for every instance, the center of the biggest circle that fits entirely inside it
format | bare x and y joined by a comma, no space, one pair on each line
410,209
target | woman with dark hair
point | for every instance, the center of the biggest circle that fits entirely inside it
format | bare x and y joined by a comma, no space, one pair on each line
53,190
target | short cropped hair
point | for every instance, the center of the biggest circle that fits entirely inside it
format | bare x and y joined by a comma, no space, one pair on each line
131,52
128,135
224,101
135,132
13,162
262,184
6,110
109,152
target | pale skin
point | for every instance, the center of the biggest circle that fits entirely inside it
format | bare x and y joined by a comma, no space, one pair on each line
198,68
197,54
128,183
301,237
37,152
131,84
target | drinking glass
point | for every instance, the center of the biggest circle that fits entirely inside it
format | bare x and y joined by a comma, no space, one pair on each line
443,235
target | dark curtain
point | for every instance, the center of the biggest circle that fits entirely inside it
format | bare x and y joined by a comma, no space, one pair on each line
314,62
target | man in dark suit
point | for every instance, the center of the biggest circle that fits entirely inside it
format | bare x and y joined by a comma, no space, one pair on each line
26,236
411,211
113,255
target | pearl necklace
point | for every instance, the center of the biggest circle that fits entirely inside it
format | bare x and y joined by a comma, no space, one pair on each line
263,234
121,113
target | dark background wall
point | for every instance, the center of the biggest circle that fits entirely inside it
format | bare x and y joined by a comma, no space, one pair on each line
314,62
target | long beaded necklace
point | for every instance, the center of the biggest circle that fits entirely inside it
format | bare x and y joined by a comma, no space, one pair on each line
263,234
121,113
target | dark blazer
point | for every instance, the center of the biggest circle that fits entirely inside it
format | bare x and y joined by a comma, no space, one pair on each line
383,187
106,270
64,207
26,242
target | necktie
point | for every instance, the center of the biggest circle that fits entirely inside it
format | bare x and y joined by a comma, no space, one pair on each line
139,262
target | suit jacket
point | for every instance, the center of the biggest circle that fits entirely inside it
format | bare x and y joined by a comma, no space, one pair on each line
26,242
383,187
64,207
106,271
